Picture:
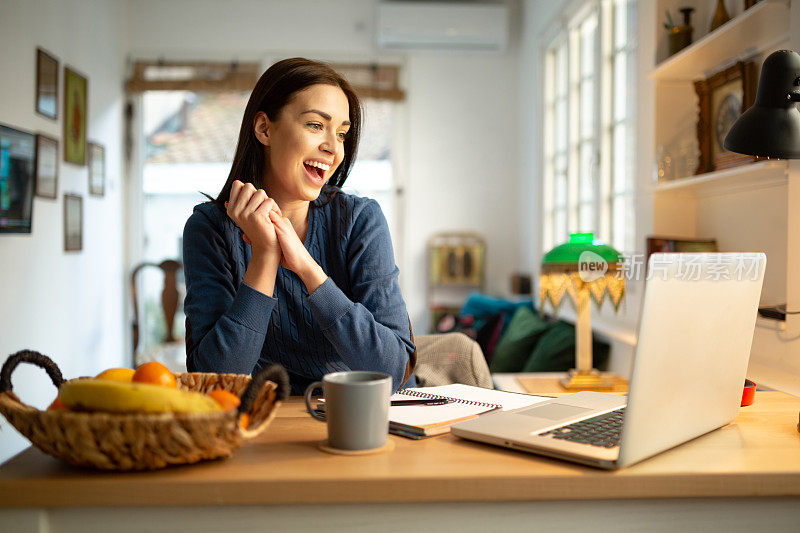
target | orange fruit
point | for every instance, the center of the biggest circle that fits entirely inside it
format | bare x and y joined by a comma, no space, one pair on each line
117,374
226,400
155,373
57,405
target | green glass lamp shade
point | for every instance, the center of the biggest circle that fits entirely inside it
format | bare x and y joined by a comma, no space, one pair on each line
771,127
568,269
570,252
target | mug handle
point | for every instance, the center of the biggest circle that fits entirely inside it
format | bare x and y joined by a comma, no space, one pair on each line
309,391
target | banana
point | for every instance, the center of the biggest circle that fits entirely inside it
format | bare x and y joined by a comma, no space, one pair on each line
87,394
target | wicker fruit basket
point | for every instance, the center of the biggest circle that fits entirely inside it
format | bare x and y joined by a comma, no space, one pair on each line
139,441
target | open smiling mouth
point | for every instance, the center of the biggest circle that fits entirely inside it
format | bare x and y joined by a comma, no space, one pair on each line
316,170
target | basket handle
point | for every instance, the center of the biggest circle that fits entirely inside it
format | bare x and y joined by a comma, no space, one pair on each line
275,373
29,356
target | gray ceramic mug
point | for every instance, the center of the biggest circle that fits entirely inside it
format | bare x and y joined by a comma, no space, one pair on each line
356,408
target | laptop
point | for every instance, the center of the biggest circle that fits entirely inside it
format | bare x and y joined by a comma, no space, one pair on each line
695,332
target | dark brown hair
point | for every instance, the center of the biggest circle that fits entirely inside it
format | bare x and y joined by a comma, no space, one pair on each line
274,89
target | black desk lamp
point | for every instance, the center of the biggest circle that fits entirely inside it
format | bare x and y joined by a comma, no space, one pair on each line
771,127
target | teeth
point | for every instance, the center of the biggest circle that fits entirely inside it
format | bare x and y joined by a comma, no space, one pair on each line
317,164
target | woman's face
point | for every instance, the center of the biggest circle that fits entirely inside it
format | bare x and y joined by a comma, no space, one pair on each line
305,142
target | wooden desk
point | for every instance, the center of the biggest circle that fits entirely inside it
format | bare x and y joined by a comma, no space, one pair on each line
745,475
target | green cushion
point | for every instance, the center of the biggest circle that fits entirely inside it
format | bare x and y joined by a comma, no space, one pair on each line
520,337
555,351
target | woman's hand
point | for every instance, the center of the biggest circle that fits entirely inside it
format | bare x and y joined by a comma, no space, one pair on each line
295,256
249,207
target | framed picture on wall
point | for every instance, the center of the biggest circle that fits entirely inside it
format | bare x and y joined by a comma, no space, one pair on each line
656,244
46,167
75,117
46,84
722,99
97,170
17,181
73,223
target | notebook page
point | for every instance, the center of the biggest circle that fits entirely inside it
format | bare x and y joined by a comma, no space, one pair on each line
507,400
425,415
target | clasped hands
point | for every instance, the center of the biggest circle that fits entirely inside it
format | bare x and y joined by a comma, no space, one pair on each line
266,229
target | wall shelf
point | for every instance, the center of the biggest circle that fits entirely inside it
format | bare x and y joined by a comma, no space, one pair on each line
753,207
751,176
759,28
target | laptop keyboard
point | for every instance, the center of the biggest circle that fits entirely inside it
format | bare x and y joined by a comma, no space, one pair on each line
603,430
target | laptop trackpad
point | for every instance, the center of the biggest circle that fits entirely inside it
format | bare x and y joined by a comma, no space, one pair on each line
554,411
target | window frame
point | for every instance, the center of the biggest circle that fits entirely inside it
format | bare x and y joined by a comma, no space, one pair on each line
603,174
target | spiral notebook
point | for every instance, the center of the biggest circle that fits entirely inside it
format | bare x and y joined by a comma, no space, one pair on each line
466,401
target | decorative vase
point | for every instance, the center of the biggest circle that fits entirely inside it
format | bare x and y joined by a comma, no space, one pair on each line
681,36
720,16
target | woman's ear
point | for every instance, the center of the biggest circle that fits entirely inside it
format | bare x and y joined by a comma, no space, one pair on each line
261,127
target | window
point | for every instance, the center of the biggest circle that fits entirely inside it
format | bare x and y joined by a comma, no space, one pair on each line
372,175
589,94
189,141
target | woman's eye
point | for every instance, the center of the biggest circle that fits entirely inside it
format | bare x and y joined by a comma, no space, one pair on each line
315,126
342,135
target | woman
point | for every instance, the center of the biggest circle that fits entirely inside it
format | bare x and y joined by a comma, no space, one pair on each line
282,266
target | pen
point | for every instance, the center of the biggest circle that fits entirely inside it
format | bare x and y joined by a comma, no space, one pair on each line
426,401
320,410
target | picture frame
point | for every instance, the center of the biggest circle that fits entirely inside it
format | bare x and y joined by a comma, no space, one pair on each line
457,260
17,179
46,84
75,116
722,98
73,223
97,169
46,167
658,244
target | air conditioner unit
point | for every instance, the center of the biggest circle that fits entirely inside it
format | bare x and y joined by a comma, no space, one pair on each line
442,26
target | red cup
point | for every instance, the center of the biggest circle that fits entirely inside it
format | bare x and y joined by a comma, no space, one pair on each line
749,393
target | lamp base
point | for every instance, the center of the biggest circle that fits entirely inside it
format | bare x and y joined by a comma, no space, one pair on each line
592,380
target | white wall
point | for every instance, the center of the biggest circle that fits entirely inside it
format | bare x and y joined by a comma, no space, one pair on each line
69,306
538,19
463,173
459,131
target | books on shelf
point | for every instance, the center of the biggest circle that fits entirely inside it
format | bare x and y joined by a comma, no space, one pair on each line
465,402
730,160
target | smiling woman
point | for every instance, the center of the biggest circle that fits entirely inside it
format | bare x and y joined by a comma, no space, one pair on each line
283,266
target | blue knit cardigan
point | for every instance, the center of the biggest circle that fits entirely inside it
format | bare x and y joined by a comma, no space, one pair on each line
355,320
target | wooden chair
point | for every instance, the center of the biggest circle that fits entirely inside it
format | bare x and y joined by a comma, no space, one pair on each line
169,298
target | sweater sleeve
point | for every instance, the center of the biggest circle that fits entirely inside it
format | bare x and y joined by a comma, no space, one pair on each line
225,326
372,331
